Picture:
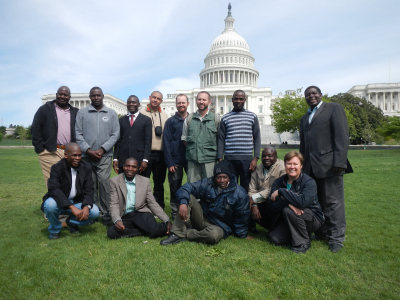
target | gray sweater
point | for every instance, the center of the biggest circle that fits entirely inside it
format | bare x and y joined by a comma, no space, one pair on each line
97,129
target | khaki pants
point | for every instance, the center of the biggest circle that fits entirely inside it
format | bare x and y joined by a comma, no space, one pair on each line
203,230
198,171
47,159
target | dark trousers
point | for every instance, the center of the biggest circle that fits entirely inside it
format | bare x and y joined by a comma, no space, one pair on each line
294,229
269,219
331,197
138,223
240,168
175,182
157,166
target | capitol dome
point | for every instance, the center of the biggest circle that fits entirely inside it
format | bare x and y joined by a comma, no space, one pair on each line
229,61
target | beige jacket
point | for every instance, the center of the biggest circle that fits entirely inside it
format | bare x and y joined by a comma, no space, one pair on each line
156,141
259,184
145,201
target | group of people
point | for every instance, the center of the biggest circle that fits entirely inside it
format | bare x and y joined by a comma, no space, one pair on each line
226,192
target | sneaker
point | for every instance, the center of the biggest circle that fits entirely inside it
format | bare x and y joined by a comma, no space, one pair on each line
302,248
74,229
335,247
54,236
172,239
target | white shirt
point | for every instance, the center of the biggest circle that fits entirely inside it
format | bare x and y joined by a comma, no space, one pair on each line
72,194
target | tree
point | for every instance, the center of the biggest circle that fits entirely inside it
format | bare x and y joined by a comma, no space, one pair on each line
391,128
1,137
287,112
20,132
366,118
29,133
3,130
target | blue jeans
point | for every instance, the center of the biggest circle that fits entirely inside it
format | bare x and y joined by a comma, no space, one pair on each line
52,211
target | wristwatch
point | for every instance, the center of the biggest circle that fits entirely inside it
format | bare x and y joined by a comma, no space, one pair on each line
89,206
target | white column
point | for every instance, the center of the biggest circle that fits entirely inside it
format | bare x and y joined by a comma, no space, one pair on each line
384,101
391,101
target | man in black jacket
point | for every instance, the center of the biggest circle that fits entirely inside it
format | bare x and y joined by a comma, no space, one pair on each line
135,138
70,192
294,197
52,128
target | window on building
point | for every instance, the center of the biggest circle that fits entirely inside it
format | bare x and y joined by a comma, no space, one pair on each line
230,109
172,108
261,99
163,108
260,109
222,100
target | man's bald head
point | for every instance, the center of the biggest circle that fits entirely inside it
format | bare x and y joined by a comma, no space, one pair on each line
73,154
62,97
71,146
63,88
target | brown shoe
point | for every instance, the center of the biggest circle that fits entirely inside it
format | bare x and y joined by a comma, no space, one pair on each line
64,225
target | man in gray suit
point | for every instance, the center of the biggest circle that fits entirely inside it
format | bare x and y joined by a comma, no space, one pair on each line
324,141
132,206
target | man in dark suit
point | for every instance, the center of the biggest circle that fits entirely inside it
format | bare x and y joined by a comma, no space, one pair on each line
70,192
132,206
324,141
135,138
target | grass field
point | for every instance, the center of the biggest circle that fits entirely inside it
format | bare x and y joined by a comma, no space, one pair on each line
90,266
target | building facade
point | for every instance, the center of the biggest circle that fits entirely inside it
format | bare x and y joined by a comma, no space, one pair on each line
229,66
81,100
382,95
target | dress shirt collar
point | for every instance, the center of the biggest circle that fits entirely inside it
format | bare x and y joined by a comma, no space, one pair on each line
127,181
315,108
135,114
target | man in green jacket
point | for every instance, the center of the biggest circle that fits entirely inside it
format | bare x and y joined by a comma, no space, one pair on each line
199,134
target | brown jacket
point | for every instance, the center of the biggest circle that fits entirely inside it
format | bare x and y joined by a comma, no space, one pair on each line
145,201
259,184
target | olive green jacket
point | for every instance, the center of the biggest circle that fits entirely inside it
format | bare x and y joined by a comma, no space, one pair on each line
202,139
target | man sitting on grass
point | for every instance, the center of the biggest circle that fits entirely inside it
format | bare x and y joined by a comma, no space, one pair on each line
261,183
70,192
223,209
132,206
294,199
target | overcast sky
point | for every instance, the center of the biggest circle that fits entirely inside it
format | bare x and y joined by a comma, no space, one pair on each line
133,47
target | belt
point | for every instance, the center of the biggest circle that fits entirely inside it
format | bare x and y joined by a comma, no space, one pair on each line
61,147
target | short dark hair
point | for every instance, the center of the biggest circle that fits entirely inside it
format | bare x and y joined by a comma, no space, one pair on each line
292,154
134,96
157,92
239,91
313,87
187,99
95,88
130,158
204,92
270,147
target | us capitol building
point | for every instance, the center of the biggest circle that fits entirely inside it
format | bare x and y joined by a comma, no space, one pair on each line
229,66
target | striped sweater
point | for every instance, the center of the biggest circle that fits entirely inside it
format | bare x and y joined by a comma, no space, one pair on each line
239,136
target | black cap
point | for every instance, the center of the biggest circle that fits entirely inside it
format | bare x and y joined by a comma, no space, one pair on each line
222,167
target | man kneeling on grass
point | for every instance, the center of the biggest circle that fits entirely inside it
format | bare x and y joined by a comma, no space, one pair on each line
70,192
223,209
294,202
132,206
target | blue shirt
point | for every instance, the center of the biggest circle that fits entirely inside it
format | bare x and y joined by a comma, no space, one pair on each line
131,195
312,112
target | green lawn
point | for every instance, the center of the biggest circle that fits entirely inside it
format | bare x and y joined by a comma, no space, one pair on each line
90,266
16,142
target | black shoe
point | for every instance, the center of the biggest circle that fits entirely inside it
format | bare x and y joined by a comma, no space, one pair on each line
254,230
74,229
302,248
172,239
93,221
107,223
54,236
335,247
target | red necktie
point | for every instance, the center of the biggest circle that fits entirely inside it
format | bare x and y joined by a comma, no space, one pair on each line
132,119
